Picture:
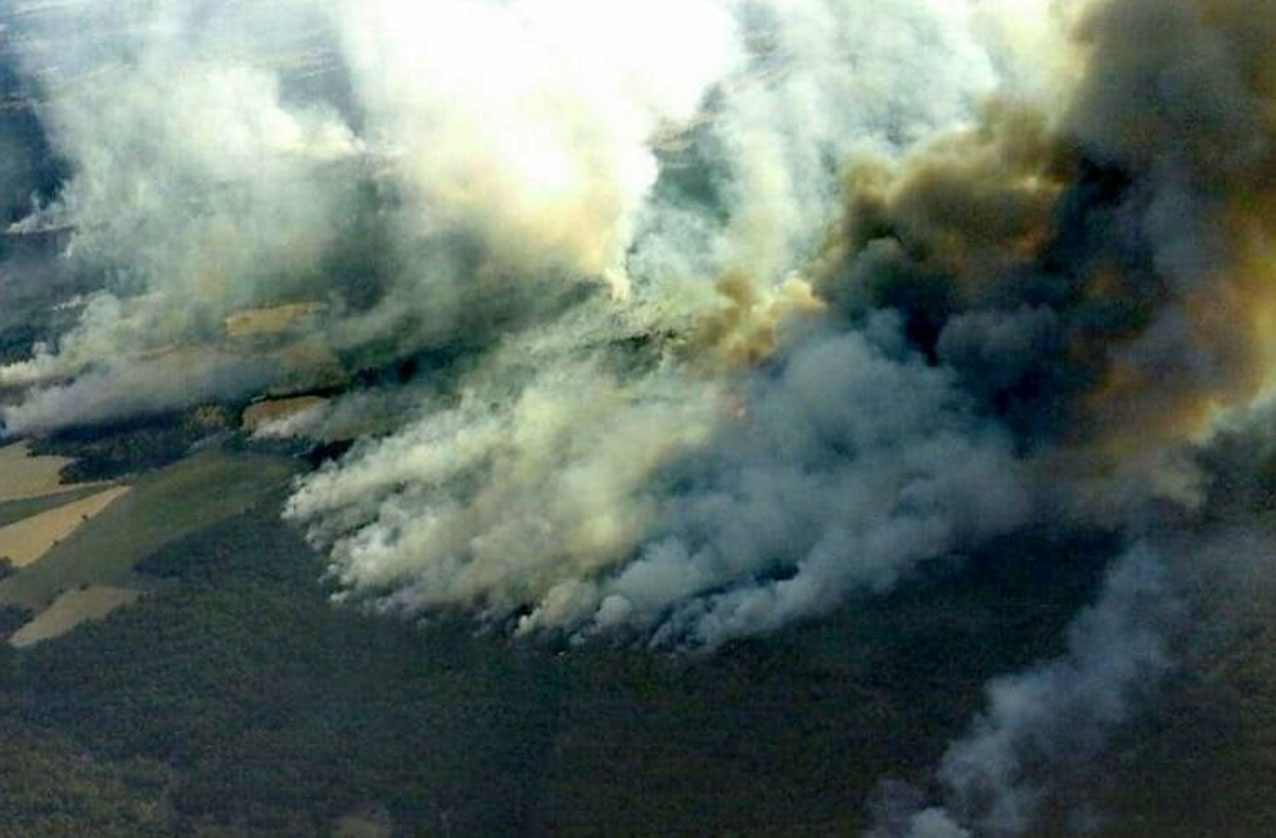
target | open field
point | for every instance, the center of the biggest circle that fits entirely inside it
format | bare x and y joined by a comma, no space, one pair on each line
163,505
23,476
70,610
13,511
26,541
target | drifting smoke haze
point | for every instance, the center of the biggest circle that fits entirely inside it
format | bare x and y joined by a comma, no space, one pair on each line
1046,726
707,316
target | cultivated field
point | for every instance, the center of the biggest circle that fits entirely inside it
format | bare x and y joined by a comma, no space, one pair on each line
70,610
26,541
23,476
162,506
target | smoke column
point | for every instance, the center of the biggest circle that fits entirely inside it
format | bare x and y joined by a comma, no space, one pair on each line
706,316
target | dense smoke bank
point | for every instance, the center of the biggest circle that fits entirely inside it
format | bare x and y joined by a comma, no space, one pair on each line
704,316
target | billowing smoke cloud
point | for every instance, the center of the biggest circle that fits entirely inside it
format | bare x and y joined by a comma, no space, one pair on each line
426,177
841,468
825,81
600,215
684,321
1046,726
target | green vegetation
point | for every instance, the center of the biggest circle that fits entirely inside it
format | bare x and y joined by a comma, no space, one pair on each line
12,618
54,789
277,713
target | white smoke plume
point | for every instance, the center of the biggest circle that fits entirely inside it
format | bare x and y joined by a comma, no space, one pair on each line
826,81
1054,720
442,164
463,173
662,505
682,321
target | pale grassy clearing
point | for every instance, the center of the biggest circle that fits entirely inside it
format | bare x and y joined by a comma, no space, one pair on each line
26,541
24,476
70,610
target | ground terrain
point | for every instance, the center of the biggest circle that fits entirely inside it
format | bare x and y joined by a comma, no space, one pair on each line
214,689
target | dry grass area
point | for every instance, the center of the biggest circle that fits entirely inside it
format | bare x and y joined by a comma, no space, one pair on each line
270,320
162,506
70,610
29,539
24,476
